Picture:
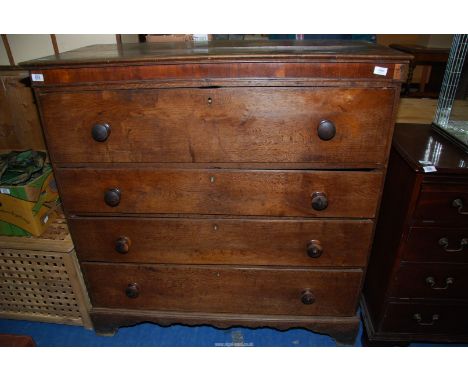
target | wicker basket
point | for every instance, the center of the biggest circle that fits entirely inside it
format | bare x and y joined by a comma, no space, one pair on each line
40,279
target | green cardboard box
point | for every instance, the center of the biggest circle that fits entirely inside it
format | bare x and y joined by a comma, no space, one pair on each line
28,209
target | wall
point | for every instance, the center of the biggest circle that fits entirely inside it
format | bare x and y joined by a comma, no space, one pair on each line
29,46
416,39
440,40
3,55
67,42
26,47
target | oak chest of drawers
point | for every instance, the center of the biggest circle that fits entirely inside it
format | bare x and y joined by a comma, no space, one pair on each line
222,184
417,281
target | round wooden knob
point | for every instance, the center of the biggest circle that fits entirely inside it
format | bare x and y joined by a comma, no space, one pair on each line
132,290
100,132
319,201
314,249
122,244
307,297
326,130
112,197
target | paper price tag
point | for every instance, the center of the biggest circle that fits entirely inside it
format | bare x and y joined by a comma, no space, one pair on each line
200,37
429,169
379,70
37,77
4,191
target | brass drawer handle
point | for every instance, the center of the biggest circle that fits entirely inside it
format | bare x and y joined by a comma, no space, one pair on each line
458,204
314,249
443,242
432,283
132,290
307,297
419,320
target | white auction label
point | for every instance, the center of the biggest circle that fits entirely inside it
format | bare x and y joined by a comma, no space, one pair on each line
429,169
380,70
37,77
5,191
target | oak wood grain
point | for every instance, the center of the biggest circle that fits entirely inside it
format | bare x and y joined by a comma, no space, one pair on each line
79,76
343,329
224,289
305,50
214,151
225,192
223,241
253,125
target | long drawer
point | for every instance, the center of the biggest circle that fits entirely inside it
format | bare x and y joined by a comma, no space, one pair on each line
425,318
438,244
224,289
250,125
220,192
223,241
419,280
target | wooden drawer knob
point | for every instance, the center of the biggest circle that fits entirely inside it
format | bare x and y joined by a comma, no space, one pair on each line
122,244
100,132
326,130
307,297
112,197
132,290
314,249
319,201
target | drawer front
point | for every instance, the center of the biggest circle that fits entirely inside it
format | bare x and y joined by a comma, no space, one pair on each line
432,281
223,289
250,125
426,318
222,192
223,241
447,203
438,244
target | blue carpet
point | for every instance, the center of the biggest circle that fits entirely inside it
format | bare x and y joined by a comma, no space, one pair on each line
147,334
176,335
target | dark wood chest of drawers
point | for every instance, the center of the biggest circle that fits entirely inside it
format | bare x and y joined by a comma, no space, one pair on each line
417,281
222,184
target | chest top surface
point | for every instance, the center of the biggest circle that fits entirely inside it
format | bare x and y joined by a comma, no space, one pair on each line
134,53
421,146
219,63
